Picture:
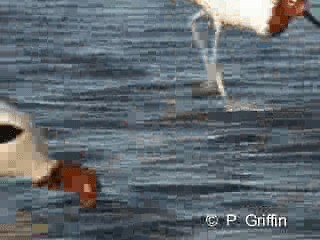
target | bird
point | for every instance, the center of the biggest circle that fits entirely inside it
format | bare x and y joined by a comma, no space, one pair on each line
24,153
267,18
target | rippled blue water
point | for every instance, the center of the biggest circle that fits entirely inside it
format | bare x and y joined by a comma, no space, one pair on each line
103,76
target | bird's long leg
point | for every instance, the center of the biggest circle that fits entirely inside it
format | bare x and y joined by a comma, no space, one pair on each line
218,29
215,51
217,79
196,36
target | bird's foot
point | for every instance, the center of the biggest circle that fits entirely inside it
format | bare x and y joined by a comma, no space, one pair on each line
202,89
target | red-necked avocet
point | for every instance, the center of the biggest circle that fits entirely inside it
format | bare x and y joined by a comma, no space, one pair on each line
23,152
268,18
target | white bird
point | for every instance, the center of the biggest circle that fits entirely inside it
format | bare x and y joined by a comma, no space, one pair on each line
268,18
23,152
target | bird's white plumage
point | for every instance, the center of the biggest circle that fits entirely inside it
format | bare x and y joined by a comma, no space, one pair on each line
249,14
23,155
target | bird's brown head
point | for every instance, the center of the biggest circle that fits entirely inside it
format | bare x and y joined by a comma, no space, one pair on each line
293,8
285,10
76,179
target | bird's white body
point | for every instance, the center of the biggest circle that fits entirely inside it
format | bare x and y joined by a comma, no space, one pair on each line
25,154
246,14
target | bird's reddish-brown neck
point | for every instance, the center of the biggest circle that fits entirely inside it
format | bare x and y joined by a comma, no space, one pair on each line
283,12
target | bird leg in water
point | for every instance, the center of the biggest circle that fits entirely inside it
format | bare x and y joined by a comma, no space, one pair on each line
196,39
214,49
215,78
219,80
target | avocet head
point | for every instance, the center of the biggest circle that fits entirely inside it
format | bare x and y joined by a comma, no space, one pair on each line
23,152
299,8
286,10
